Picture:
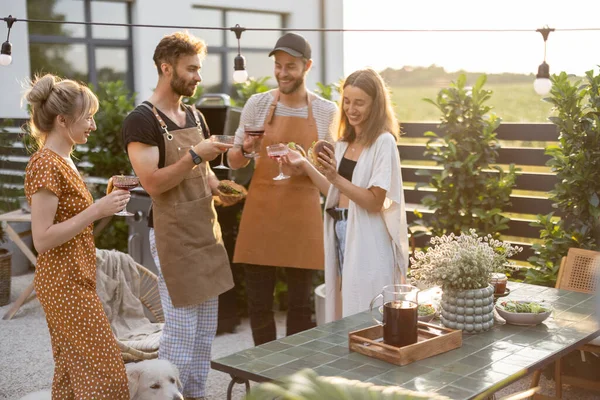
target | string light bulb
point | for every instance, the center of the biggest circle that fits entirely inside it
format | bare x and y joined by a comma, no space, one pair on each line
542,84
240,75
6,50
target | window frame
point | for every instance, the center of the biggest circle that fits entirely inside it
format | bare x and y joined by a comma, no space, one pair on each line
92,43
227,52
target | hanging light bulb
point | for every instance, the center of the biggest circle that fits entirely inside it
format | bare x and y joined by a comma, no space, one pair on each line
240,75
542,84
6,51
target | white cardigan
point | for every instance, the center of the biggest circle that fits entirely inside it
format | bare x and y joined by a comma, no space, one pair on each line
376,251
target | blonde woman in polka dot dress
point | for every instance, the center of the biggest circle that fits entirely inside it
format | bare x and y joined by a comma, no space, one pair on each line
88,363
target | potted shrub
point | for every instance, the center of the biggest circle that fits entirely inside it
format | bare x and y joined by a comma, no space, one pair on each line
462,265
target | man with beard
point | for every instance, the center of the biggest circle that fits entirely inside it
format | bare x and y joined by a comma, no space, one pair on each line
282,224
165,141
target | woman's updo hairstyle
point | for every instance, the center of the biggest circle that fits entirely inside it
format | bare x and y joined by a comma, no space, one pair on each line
50,96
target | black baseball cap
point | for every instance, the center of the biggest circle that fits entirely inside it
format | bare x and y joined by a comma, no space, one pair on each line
293,44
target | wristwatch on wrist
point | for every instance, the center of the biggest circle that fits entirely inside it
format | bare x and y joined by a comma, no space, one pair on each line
243,151
195,157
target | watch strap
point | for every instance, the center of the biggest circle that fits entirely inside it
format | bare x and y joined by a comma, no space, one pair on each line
195,157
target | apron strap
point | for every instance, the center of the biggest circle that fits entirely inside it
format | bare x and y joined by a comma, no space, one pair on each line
162,123
271,113
273,106
199,118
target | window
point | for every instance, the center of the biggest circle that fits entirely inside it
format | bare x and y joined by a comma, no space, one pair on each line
222,45
87,53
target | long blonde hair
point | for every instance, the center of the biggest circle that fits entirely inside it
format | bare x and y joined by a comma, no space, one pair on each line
381,117
50,96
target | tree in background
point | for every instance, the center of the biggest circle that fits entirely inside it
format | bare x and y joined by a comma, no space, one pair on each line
466,196
576,161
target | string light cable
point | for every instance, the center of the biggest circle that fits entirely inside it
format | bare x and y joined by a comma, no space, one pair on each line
541,84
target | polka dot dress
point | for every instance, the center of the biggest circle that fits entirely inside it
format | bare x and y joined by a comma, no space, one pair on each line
87,361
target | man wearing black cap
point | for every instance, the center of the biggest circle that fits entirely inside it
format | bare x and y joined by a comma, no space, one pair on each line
282,224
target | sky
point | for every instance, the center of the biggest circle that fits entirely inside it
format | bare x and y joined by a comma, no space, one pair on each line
523,52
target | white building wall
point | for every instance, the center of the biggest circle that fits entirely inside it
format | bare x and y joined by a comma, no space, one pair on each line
14,76
302,14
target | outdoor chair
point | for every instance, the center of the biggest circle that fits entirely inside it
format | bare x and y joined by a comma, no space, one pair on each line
131,301
150,298
578,272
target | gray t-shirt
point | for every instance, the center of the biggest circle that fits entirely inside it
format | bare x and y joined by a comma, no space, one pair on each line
256,109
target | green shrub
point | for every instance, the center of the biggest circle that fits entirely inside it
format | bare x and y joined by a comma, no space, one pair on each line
576,161
466,196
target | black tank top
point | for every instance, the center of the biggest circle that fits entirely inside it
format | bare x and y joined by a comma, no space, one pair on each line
346,168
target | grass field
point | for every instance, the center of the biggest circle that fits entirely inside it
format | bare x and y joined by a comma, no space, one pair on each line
512,102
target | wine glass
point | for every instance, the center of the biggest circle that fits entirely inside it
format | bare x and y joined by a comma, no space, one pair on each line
276,151
224,139
125,182
256,131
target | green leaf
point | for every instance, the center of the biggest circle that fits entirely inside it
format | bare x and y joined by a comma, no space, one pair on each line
594,201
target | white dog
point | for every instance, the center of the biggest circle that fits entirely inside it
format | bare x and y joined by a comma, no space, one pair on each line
148,380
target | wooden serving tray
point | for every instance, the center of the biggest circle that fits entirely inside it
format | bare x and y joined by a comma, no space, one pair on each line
432,340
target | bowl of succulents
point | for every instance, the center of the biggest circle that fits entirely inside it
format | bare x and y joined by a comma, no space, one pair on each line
426,312
523,312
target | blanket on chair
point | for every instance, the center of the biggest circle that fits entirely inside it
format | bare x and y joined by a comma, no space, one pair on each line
118,286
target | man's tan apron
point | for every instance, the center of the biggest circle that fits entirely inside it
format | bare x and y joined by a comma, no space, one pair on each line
192,257
282,223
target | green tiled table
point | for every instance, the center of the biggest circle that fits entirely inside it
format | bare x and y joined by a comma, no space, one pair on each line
484,360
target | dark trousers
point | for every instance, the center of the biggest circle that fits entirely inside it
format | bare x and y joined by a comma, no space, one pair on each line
260,284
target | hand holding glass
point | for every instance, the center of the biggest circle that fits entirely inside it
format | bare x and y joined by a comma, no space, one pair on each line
256,132
125,182
276,151
224,139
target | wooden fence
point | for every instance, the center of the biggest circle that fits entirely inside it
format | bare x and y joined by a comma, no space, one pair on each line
523,145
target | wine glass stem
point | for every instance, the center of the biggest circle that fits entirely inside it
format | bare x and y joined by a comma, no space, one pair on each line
280,169
222,159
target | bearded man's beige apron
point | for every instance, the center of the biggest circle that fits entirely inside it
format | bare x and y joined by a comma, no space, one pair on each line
282,224
192,257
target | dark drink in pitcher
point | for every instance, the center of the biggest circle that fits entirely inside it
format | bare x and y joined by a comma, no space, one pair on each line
400,320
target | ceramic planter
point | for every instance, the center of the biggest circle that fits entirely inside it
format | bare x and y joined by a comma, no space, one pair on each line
469,310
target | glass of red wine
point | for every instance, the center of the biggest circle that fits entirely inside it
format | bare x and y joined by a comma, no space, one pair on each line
225,139
256,132
276,151
125,182
400,314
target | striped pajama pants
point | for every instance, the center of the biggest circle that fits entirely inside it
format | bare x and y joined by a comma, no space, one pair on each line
187,336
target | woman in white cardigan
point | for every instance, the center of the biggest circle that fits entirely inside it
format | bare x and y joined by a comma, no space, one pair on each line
366,238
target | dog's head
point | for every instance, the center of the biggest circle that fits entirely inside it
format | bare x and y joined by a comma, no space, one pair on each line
154,380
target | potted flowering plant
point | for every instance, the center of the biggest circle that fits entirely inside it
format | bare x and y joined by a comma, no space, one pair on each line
462,265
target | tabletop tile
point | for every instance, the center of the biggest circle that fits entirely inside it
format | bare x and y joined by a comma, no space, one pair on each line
316,345
370,360
460,368
504,368
455,392
476,361
339,351
475,385
254,352
255,366
442,359
345,364
378,382
505,345
274,346
325,370
370,371
519,360
487,375
301,364
233,360
277,359
295,340
491,354
321,358
335,339
298,352
315,333
399,376
278,372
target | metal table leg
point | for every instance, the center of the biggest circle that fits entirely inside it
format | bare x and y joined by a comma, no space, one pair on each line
234,380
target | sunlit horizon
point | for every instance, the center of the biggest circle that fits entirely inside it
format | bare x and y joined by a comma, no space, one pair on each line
490,52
